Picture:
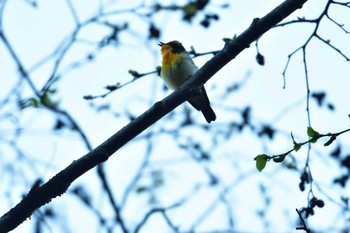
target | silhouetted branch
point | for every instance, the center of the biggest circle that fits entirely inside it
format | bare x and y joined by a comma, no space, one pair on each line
314,33
162,211
303,227
60,182
115,87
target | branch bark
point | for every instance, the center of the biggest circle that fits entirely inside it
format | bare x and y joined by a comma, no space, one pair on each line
58,185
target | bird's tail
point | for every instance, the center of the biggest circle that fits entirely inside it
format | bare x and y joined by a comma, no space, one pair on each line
201,103
209,114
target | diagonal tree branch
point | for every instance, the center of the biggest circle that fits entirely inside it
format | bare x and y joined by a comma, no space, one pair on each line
58,185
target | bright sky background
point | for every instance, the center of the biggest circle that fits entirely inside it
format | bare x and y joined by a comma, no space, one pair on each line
35,33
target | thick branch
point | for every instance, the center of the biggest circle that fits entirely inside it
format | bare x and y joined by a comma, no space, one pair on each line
40,196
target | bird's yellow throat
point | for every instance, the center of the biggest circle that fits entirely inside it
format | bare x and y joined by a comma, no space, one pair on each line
169,58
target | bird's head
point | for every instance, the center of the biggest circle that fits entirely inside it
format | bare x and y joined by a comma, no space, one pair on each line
172,46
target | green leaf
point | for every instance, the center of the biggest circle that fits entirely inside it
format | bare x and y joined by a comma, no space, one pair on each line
261,161
310,132
297,146
313,140
141,189
190,10
34,102
46,101
313,134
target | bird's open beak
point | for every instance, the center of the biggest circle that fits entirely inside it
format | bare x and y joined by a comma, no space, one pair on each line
161,44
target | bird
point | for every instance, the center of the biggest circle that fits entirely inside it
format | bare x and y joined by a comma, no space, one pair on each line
177,67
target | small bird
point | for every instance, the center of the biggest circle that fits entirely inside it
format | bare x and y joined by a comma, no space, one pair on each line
177,67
